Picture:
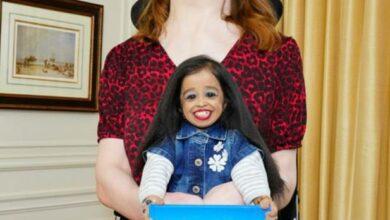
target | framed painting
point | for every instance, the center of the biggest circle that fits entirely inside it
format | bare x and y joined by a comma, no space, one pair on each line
50,54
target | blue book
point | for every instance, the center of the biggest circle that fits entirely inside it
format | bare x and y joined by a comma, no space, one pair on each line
206,212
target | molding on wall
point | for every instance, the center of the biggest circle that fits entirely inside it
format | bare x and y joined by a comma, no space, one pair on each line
47,144
40,156
50,207
46,200
45,163
46,194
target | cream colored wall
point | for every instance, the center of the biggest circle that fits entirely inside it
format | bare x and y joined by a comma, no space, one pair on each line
47,158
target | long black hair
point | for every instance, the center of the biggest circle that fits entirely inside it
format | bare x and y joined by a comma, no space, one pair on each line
168,119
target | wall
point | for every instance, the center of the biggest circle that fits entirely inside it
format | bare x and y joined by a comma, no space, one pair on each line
47,158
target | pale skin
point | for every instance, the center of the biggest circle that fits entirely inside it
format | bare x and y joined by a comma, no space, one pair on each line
192,28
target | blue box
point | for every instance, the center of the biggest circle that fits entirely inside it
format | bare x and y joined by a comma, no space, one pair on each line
205,212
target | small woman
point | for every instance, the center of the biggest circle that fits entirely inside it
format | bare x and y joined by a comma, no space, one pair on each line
203,136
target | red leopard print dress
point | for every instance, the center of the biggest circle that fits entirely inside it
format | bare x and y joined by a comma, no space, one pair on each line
271,83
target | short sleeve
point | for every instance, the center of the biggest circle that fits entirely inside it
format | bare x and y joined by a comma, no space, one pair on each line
288,122
165,148
244,149
111,97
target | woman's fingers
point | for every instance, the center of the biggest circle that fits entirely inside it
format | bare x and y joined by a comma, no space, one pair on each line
266,202
273,214
145,210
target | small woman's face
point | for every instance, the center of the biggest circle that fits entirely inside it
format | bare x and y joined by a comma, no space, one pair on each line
201,99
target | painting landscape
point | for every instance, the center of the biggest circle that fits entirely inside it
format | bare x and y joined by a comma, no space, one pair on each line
45,53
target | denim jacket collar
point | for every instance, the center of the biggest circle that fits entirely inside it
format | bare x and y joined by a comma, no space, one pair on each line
215,131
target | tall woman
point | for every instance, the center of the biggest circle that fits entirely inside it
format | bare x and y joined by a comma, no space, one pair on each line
238,33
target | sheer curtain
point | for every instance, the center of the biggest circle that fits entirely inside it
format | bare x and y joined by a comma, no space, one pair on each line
344,165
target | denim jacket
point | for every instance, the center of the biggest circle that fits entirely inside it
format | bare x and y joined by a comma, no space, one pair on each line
202,158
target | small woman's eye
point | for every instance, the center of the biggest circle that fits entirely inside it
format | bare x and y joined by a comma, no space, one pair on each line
211,94
190,96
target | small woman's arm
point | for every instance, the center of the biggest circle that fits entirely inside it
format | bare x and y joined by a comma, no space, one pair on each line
155,178
250,178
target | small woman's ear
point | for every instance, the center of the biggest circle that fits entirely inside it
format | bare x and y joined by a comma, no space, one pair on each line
225,105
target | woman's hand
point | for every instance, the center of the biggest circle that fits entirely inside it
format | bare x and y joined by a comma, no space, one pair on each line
266,202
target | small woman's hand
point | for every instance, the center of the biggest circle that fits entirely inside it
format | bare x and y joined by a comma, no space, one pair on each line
150,200
266,202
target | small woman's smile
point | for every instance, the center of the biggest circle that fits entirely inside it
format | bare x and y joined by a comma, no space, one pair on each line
202,114
201,99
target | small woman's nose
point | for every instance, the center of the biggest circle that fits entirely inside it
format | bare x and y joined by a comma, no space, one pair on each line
201,101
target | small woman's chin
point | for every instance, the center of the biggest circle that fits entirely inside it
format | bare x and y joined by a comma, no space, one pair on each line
202,123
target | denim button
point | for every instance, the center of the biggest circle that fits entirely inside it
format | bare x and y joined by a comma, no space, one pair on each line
196,189
198,162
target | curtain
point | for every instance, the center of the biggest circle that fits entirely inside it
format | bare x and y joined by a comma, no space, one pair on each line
344,164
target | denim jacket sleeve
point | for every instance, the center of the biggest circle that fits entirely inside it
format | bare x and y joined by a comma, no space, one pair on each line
165,148
244,147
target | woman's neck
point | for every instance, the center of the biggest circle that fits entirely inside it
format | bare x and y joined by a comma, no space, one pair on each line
200,9
195,27
195,14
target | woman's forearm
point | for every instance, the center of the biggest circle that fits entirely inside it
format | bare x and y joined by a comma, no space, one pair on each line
114,185
283,201
120,192
286,161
